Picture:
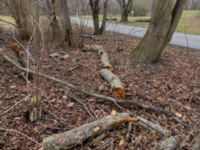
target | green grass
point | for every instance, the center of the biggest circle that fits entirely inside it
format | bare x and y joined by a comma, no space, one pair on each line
4,25
189,22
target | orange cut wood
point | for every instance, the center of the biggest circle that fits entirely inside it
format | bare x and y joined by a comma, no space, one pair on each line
16,47
118,93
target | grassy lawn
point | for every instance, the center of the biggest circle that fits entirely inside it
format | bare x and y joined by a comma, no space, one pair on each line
4,25
189,23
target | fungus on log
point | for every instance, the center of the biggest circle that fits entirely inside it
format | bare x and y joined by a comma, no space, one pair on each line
85,132
102,54
118,91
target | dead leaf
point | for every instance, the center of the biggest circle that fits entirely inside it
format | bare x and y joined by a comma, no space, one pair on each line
179,115
64,57
122,142
65,97
70,104
54,54
13,86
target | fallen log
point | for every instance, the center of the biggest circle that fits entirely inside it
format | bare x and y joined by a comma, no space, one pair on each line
196,144
170,143
83,133
102,55
100,98
118,91
153,126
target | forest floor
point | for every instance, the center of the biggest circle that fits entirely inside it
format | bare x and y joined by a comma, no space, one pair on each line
173,83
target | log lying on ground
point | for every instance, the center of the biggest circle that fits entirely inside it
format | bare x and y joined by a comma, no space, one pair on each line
170,143
153,126
83,133
102,55
196,144
100,98
117,88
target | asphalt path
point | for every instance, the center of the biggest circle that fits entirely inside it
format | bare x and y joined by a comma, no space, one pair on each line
179,39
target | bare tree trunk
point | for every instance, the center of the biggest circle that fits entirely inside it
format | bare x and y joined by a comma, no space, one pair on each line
69,37
36,31
95,7
54,25
21,11
126,7
105,12
163,23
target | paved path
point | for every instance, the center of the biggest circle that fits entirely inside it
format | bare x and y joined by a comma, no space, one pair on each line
179,39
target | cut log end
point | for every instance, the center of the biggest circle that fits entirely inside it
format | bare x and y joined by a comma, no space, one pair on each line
118,93
110,68
16,48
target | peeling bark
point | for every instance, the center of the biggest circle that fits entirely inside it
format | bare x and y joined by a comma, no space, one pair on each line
102,55
87,131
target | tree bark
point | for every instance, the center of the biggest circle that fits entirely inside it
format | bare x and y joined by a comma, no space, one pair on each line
54,24
69,37
102,55
22,10
118,91
95,7
126,7
196,144
87,131
162,26
105,12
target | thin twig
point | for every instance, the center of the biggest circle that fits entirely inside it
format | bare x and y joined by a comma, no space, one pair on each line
78,99
20,133
15,105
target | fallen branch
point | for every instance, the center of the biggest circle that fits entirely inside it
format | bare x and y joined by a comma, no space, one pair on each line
102,55
153,126
15,105
83,133
196,144
77,99
117,88
170,143
100,98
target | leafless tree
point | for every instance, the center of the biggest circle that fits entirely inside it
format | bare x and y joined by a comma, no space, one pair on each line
95,7
126,7
22,12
